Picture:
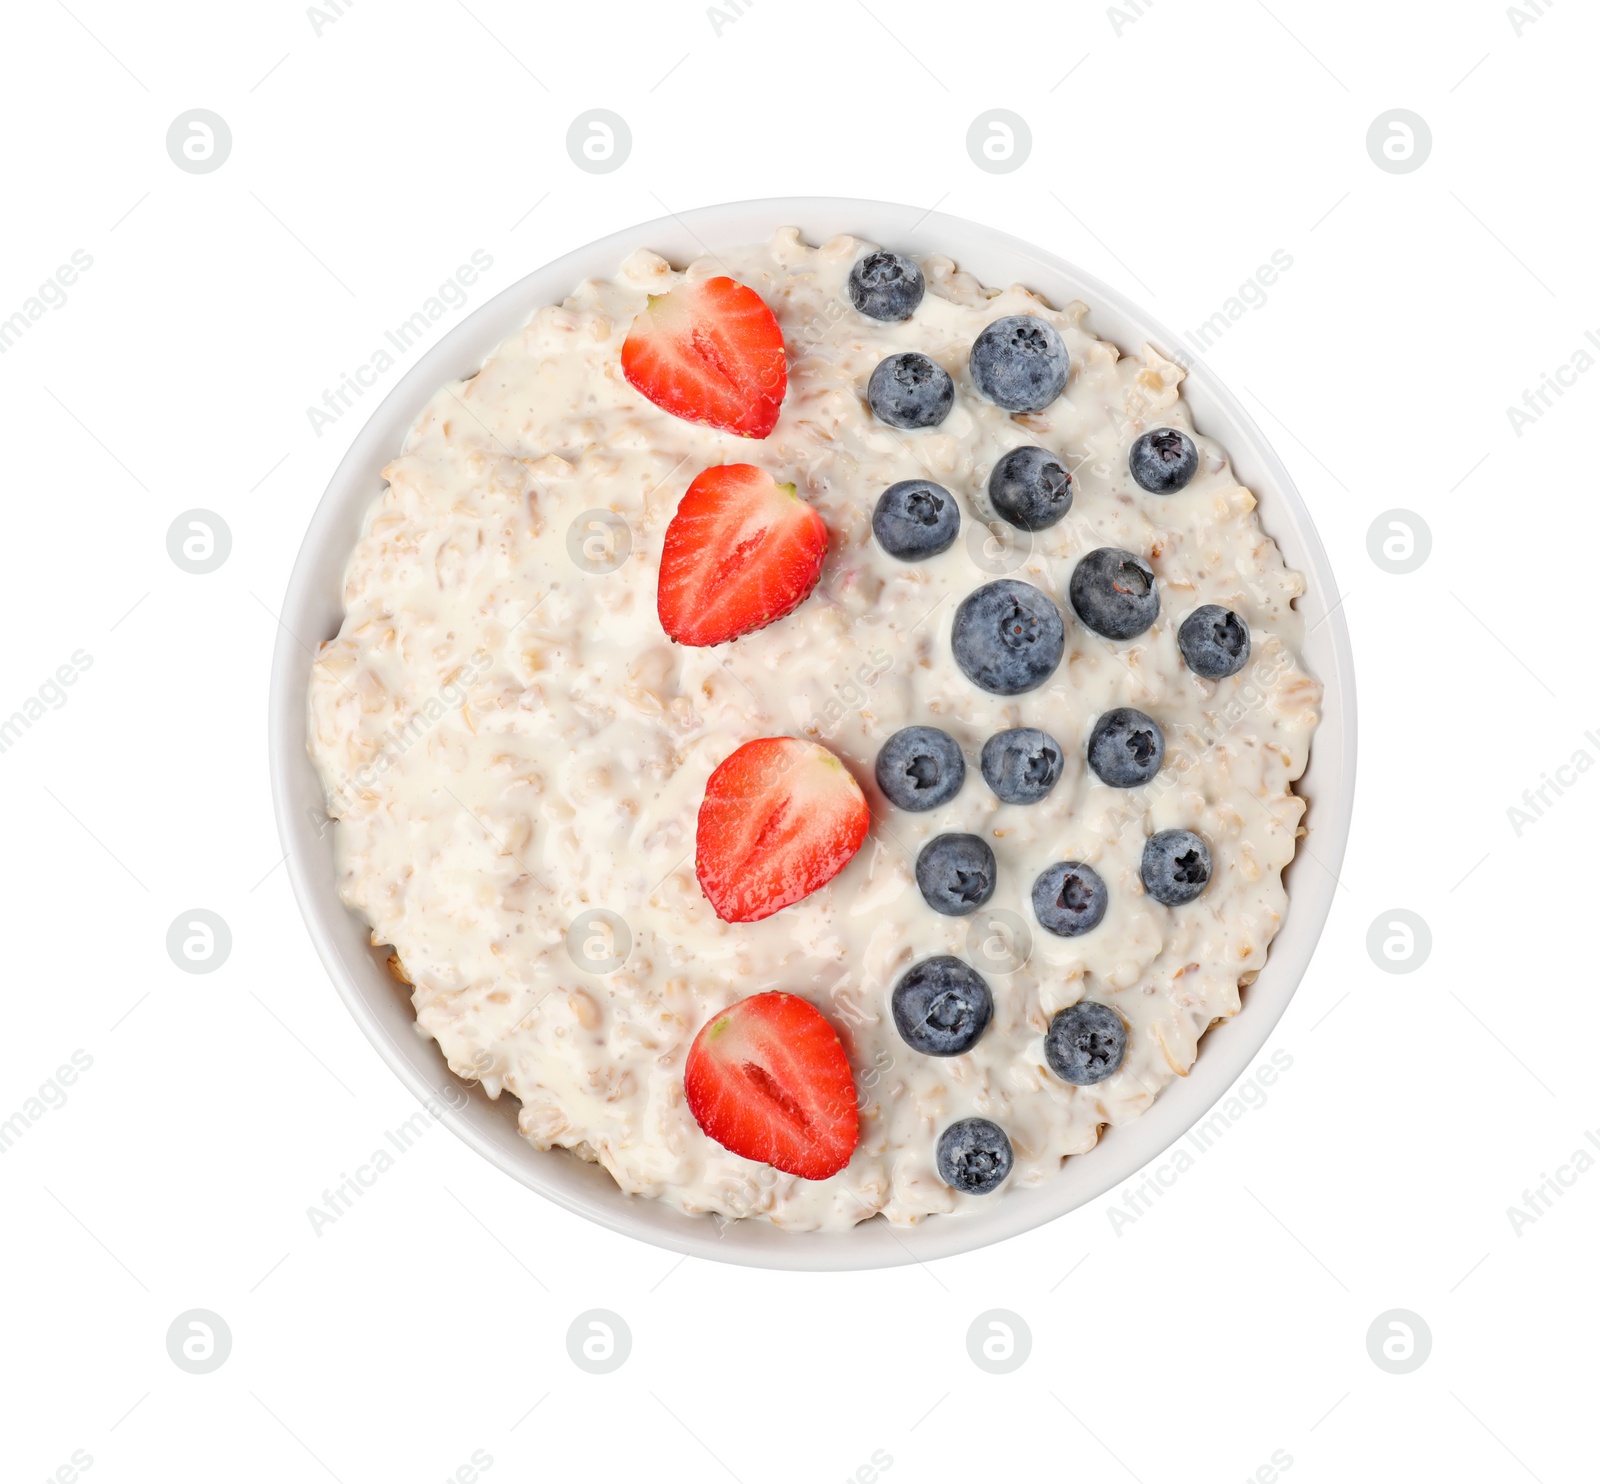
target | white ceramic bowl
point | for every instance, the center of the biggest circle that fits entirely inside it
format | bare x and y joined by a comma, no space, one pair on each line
312,613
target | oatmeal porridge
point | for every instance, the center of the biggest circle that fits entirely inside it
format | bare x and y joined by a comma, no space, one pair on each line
811,630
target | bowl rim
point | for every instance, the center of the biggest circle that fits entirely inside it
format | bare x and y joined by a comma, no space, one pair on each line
355,968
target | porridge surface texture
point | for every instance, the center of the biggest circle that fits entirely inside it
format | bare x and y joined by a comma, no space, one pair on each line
509,741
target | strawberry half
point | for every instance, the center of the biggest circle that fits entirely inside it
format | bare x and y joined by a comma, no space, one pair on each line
742,551
711,353
780,818
768,1080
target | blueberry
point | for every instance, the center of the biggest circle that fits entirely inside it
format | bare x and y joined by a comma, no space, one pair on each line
1114,593
1022,765
1086,1043
910,391
916,518
1214,641
1069,899
941,1006
1126,748
886,286
920,768
1176,867
1164,461
1030,487
955,874
1008,637
974,1156
1019,363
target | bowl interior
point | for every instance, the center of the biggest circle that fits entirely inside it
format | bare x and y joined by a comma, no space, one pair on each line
313,611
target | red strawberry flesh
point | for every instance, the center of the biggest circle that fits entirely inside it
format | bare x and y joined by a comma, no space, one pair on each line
709,352
780,819
741,552
768,1080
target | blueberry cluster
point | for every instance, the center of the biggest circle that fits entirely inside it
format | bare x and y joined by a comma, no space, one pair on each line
942,1006
1019,363
1009,638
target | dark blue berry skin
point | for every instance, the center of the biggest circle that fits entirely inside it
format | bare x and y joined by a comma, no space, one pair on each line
886,286
974,1156
1115,593
1176,867
1069,899
1008,637
1019,363
941,1006
1214,641
1086,1043
1031,488
920,768
1022,765
1126,748
1164,461
955,874
910,391
916,519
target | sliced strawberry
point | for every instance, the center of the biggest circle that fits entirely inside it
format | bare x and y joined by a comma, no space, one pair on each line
742,551
780,818
768,1079
710,353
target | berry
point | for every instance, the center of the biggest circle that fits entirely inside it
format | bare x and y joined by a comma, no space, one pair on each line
1214,641
1069,899
712,353
910,391
780,818
916,518
1021,765
974,1156
1030,487
1086,1043
1114,593
1164,461
941,1006
920,768
1176,867
741,552
955,874
1008,637
1126,748
1020,363
768,1080
886,286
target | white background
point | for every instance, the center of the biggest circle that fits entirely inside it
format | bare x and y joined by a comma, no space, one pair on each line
1223,1326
